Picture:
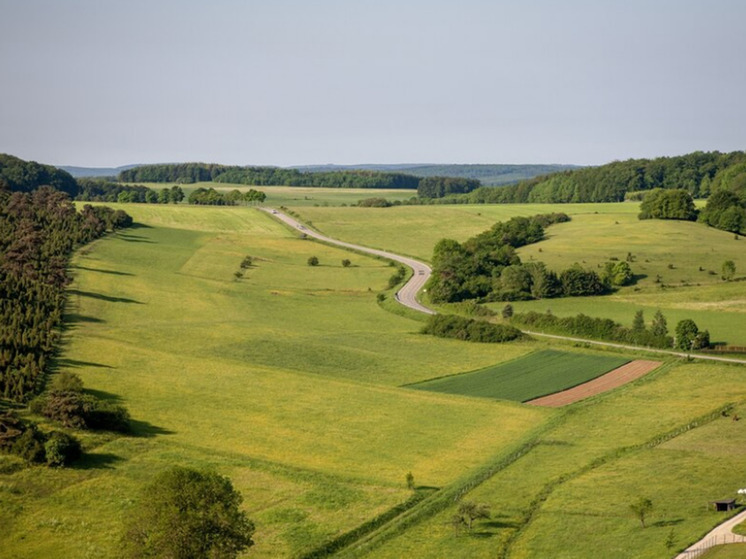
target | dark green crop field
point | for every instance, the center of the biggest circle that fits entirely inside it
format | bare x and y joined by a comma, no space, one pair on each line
537,374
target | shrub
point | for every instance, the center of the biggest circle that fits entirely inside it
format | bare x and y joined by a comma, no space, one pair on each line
346,263
67,382
313,261
460,328
61,449
29,445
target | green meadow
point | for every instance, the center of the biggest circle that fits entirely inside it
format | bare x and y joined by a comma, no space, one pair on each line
534,375
677,264
662,437
290,380
285,380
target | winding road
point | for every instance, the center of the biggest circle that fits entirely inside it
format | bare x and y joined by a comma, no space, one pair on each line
407,295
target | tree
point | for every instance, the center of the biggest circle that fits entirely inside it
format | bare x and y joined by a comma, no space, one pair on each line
641,509
470,511
638,324
507,311
346,263
188,514
686,334
659,326
313,261
728,270
410,480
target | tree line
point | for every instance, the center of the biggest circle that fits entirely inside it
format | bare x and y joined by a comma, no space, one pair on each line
430,187
38,232
487,267
699,173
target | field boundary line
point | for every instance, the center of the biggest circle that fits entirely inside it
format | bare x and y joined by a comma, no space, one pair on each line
541,497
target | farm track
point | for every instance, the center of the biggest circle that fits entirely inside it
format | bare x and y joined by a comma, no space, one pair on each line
613,379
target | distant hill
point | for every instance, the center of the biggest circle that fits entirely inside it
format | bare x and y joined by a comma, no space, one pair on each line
487,174
86,172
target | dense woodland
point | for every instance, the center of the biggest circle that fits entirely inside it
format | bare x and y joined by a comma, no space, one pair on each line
699,173
486,267
276,176
38,232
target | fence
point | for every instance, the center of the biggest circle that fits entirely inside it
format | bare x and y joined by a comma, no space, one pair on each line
700,548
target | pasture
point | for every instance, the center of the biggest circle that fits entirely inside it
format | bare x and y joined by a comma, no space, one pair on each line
662,437
676,264
537,374
285,380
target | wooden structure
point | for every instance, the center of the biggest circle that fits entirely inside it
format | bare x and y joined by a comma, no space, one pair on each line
724,505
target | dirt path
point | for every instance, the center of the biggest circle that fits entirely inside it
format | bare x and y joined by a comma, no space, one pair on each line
622,375
721,534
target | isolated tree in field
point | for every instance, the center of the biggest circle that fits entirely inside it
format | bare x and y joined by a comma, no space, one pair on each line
313,261
641,509
246,262
659,326
188,514
728,270
686,334
468,512
410,480
346,263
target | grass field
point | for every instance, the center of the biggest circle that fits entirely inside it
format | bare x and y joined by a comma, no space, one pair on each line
677,264
569,496
730,551
289,382
285,380
538,374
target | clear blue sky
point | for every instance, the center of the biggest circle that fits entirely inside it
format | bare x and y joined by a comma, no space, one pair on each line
290,82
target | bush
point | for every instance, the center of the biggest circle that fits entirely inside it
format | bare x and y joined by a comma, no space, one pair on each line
460,328
313,261
82,411
346,263
67,382
61,449
29,445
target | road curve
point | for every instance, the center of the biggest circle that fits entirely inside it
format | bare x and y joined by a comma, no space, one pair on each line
407,295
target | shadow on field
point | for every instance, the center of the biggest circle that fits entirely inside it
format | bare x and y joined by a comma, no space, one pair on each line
102,395
490,529
76,364
112,272
147,430
102,297
134,238
94,461
75,318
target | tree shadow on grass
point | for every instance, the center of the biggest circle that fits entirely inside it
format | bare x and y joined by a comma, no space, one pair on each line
147,430
97,461
112,272
71,319
102,297
102,395
76,364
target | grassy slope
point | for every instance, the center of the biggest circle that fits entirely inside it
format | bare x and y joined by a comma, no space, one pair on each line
532,376
585,481
284,380
596,233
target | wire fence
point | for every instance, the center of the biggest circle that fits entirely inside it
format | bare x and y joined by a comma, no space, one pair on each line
704,546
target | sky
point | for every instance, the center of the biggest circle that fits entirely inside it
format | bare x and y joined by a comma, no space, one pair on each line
103,83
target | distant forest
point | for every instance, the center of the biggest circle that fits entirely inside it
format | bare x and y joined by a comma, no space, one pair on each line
699,173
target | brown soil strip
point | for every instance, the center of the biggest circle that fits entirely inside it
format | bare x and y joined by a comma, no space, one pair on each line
624,374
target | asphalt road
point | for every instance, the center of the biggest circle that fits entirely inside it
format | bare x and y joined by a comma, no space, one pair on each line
407,295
